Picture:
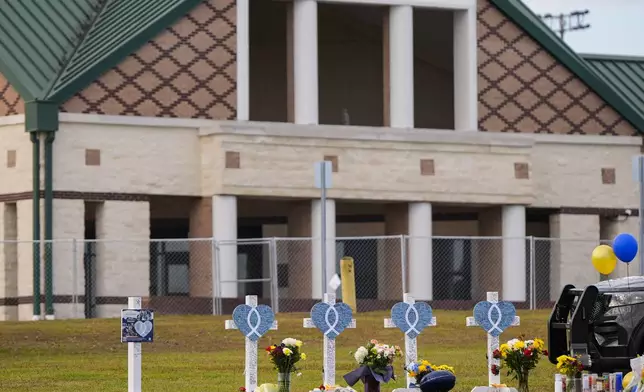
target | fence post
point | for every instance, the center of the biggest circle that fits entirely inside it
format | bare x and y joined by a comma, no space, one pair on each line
533,275
75,279
403,262
275,294
213,261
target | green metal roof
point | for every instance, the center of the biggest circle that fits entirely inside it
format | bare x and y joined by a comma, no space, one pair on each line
612,93
51,49
36,36
626,74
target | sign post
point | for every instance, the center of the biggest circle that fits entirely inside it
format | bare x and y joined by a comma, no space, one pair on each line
323,172
137,326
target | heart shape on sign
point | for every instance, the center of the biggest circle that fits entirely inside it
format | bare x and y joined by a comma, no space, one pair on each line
411,319
331,319
253,322
494,318
143,328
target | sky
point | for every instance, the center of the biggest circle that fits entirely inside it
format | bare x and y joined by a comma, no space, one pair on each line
616,26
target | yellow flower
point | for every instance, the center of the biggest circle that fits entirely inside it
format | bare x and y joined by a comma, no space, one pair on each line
422,368
303,356
519,345
504,348
445,367
412,374
287,351
538,344
298,343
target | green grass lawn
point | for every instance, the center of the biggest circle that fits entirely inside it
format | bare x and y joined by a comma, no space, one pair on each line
195,353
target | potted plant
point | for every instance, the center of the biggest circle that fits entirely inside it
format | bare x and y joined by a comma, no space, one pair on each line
284,358
519,357
375,365
571,367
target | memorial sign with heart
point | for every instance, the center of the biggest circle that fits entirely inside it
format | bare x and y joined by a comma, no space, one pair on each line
331,319
411,319
494,317
253,321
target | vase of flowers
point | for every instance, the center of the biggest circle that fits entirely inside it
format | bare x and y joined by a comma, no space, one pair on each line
284,357
375,363
520,357
419,369
571,367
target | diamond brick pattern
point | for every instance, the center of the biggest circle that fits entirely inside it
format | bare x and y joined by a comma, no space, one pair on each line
188,71
10,101
523,89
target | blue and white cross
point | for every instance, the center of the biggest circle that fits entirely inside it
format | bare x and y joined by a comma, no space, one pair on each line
252,335
492,322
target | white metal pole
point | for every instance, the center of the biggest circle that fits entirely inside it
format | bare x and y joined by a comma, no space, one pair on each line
325,288
134,355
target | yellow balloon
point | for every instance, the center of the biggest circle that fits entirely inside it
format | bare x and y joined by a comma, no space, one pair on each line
604,259
627,379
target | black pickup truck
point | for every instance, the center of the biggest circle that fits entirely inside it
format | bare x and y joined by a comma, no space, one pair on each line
603,323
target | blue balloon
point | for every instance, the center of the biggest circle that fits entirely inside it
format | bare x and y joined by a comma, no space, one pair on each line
625,247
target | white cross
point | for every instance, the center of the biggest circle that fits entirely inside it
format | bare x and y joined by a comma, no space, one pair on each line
492,342
250,371
329,344
411,347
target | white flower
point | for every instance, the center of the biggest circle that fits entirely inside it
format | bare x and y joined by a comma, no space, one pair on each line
529,342
512,342
290,342
361,354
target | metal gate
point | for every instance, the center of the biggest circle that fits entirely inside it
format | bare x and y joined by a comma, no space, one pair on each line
244,267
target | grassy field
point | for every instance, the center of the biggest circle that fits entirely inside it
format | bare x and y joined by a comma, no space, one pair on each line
195,353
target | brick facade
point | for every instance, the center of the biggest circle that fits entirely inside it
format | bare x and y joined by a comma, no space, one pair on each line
523,89
188,71
10,101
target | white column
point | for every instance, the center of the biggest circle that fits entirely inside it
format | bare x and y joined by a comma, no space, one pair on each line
243,60
305,61
224,228
420,251
401,66
316,257
465,71
514,263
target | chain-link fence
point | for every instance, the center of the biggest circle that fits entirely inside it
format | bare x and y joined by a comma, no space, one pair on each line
90,278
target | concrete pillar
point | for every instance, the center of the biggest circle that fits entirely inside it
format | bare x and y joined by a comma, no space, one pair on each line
305,61
465,71
317,288
297,254
122,254
201,249
25,261
224,223
611,227
420,251
574,238
514,263
67,260
401,66
8,262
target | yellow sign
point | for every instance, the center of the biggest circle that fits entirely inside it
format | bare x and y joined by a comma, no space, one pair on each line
348,276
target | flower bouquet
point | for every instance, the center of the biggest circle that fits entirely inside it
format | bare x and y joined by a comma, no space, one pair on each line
419,370
284,357
375,365
520,357
571,367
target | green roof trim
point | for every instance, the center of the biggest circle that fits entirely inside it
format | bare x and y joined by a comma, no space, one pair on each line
52,49
626,73
519,13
